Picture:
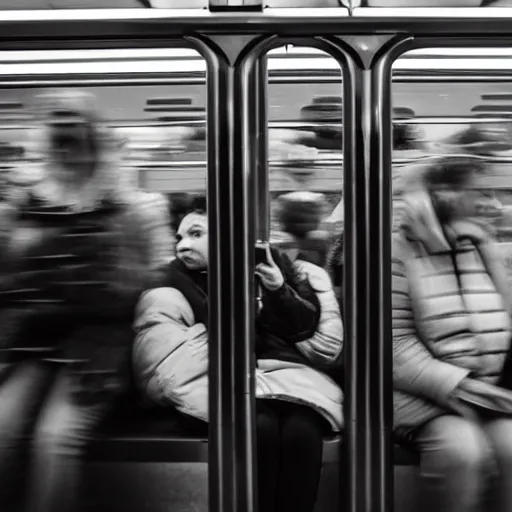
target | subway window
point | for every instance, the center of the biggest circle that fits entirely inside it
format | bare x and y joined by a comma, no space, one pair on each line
386,3
301,207
102,169
435,3
452,186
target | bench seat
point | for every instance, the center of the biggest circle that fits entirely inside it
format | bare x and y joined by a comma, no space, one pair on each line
163,435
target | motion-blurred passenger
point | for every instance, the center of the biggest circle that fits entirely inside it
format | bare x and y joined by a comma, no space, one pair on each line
451,335
408,143
299,334
300,215
76,253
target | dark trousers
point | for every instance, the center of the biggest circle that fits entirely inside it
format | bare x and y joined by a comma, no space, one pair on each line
289,446
289,452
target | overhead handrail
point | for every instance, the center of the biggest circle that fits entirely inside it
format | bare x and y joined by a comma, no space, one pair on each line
332,162
284,125
199,78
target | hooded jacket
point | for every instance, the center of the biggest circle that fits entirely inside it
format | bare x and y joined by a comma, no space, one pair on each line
451,307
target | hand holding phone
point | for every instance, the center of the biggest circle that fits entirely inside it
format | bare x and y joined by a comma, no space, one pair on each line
261,252
266,269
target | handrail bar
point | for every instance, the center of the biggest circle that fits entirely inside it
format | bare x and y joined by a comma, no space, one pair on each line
334,162
120,27
128,78
286,125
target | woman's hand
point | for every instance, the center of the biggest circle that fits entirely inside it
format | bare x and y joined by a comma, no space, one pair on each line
269,273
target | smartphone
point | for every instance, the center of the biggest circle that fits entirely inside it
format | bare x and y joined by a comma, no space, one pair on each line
261,252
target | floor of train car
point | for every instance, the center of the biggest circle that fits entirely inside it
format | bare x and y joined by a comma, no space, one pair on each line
161,487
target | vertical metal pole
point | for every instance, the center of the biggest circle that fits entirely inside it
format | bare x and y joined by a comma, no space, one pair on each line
367,275
259,144
357,241
376,107
231,322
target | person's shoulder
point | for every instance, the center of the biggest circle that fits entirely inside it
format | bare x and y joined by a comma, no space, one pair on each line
161,299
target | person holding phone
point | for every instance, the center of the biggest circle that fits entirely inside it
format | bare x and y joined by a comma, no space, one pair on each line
297,403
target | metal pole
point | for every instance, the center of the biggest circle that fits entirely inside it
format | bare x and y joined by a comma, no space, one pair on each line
358,449
259,142
367,271
231,286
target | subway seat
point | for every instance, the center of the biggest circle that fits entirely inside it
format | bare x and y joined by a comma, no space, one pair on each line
160,435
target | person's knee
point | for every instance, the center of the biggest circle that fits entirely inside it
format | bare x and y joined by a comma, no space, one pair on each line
21,396
61,435
468,449
500,435
459,446
54,440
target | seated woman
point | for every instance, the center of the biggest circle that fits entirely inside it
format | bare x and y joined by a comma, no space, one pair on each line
451,335
299,332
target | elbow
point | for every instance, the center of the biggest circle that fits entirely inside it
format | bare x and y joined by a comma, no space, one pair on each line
305,329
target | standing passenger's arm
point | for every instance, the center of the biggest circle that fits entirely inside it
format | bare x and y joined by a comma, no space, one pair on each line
147,243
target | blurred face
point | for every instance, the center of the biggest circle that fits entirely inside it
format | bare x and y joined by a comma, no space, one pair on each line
72,145
469,200
456,202
451,205
192,241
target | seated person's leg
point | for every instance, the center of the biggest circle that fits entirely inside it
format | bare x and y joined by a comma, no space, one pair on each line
301,460
21,395
62,434
268,451
455,459
499,433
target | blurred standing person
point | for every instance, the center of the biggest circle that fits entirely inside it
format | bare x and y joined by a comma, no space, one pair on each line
408,144
76,254
300,214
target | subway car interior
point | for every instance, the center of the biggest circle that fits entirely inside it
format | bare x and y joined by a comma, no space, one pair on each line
280,116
